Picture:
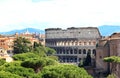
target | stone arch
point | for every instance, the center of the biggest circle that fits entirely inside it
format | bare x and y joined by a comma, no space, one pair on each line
71,51
75,51
63,51
80,43
89,50
84,51
67,51
79,51
85,43
68,43
94,51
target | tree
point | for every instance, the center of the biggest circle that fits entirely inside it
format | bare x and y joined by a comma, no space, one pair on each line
111,76
4,74
113,61
50,51
87,61
42,50
15,68
81,63
25,56
36,44
64,71
21,45
38,63
2,61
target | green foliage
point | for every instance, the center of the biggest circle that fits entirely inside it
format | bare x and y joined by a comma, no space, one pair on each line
50,51
87,61
115,59
36,44
4,74
16,68
111,76
2,61
22,45
50,61
21,71
41,51
38,63
64,71
81,64
25,56
6,65
53,57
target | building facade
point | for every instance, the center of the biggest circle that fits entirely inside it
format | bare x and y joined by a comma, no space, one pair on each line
73,44
109,46
7,42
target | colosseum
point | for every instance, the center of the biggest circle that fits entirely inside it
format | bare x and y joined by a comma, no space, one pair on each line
72,44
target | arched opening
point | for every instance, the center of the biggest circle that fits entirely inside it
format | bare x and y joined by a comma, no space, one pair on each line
75,51
71,51
80,43
84,51
67,51
79,51
94,52
85,43
89,51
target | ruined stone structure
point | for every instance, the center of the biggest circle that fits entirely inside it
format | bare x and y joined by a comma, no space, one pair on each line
73,44
108,46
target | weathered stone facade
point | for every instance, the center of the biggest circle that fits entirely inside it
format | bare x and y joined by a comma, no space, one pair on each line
73,44
108,46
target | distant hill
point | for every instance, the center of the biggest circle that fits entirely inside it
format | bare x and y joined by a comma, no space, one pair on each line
107,30
31,30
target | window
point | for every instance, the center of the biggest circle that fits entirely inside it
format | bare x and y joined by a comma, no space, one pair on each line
75,59
85,43
89,51
60,52
89,43
84,51
67,51
75,51
67,59
63,59
68,43
64,43
75,43
71,59
94,43
94,51
57,52
79,51
63,51
80,43
72,43
71,51
79,59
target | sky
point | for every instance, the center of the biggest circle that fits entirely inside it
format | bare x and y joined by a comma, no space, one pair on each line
42,14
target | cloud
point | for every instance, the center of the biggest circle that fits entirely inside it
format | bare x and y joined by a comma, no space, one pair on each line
43,14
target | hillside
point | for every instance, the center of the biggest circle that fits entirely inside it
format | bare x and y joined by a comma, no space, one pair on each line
31,30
